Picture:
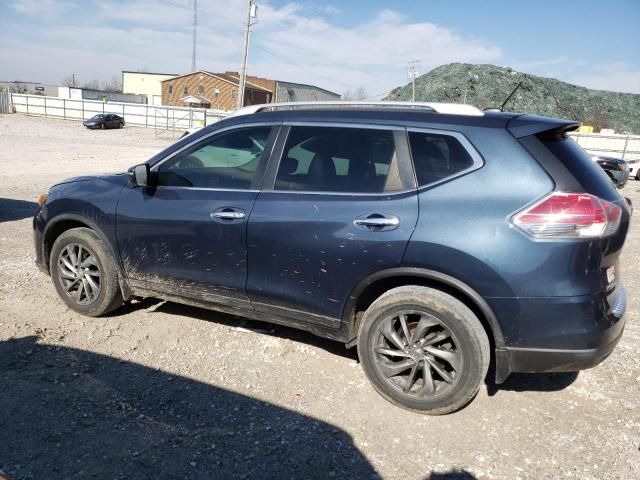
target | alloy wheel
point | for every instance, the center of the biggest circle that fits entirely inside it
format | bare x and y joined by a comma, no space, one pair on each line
79,274
417,354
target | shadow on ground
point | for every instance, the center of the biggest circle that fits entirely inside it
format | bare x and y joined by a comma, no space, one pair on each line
452,475
532,382
11,209
70,413
518,382
263,328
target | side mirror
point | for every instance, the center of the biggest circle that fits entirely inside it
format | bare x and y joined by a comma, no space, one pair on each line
139,175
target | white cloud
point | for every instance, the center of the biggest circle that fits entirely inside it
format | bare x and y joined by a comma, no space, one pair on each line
617,77
289,42
372,54
49,9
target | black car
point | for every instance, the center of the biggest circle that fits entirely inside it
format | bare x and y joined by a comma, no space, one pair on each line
615,168
104,120
396,228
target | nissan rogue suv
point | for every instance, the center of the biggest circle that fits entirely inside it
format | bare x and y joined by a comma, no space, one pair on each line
436,238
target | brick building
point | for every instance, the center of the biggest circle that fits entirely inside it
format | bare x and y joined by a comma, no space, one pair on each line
210,90
282,91
219,91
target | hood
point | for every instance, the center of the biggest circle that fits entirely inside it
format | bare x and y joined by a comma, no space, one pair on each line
116,177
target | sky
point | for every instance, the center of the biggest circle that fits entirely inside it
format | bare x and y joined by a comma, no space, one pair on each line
338,45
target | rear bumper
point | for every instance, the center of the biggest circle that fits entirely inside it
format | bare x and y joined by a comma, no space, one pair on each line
589,339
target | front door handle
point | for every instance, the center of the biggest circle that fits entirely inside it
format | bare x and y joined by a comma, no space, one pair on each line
378,222
227,214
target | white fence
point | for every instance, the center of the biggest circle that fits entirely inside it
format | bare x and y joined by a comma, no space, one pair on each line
626,147
159,117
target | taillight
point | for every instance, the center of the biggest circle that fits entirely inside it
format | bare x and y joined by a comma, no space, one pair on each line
569,215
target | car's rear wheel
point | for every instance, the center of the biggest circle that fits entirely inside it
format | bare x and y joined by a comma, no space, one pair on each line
121,125
84,273
423,349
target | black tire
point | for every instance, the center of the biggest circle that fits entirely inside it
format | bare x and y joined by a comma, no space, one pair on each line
463,342
121,125
95,302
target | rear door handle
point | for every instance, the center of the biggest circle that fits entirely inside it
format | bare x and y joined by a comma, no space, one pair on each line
227,214
378,222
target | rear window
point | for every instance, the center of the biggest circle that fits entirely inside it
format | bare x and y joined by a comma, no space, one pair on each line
587,172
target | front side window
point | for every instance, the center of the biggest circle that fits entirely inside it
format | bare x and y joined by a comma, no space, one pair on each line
335,159
437,157
227,160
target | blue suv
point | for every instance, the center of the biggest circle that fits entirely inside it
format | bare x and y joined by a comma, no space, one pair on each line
436,238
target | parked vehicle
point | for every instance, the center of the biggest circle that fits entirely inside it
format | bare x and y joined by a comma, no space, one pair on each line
634,168
615,168
397,228
104,120
191,130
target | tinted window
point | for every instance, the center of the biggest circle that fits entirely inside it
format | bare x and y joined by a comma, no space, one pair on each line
333,159
587,172
436,157
227,160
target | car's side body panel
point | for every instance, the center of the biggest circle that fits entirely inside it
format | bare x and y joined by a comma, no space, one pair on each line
169,241
306,253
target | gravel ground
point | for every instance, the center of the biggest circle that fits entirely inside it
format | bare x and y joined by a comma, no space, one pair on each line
160,390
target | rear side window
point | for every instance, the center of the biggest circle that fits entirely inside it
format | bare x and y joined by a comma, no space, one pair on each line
587,172
335,159
437,157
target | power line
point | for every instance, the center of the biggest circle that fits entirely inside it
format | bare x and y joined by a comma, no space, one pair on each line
195,29
202,13
291,62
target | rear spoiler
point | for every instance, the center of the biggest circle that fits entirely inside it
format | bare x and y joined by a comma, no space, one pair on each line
525,125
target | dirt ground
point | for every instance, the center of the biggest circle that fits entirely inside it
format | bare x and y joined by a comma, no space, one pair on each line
159,390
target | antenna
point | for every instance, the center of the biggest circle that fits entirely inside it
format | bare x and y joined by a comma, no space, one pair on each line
412,66
510,95
195,29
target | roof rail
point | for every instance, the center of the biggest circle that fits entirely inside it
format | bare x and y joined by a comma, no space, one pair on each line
445,108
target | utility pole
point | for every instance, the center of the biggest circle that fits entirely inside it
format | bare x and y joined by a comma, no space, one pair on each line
412,65
252,16
195,29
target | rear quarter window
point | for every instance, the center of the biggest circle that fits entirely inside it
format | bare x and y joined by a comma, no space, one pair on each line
437,157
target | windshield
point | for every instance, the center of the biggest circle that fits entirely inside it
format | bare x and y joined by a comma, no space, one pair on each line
97,117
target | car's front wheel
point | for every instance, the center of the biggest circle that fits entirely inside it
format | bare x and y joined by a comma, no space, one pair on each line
84,272
423,349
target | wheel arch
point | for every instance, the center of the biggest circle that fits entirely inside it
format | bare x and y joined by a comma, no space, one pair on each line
371,287
62,223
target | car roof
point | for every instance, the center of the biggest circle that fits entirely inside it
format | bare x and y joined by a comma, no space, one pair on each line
373,115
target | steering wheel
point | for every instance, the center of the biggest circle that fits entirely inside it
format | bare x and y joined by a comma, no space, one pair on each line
189,162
